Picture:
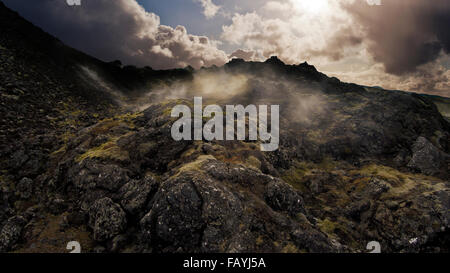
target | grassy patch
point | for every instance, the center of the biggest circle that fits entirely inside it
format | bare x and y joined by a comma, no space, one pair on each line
108,150
47,237
195,165
393,176
296,174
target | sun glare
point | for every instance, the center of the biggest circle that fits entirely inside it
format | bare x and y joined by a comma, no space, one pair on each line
311,6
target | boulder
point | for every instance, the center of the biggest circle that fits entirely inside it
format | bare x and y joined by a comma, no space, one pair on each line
107,219
426,157
11,232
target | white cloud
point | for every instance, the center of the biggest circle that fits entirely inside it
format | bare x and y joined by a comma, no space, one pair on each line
288,30
122,29
328,34
209,8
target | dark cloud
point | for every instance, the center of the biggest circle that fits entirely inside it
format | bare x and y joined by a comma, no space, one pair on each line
404,34
432,79
338,43
120,29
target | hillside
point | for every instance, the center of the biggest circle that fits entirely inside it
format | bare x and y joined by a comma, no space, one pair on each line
87,155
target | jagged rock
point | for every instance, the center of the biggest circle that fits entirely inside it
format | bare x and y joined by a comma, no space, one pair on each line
426,157
176,215
107,219
57,206
357,208
135,194
25,188
117,243
90,174
143,191
11,232
281,196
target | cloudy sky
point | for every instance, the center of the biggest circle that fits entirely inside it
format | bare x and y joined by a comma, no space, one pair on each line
400,44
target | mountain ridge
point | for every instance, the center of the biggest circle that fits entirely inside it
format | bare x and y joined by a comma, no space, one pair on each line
87,155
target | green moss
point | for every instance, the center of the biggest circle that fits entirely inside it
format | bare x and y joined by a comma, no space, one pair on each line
295,175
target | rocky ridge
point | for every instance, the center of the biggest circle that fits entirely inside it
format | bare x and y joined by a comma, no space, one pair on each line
78,163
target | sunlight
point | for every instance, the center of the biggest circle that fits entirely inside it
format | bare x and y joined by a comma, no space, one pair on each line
311,6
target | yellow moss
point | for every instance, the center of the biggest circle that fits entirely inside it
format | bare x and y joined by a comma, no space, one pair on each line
108,150
144,148
259,240
401,183
253,162
104,126
195,165
295,175
327,164
393,176
129,117
191,151
327,226
290,248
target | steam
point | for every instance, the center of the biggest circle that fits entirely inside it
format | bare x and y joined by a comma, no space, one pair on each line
214,87
300,102
92,78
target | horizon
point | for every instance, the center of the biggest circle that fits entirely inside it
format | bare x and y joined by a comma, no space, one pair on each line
347,39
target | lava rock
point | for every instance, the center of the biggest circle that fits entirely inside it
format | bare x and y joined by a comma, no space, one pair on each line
282,197
426,157
135,194
25,188
11,232
107,219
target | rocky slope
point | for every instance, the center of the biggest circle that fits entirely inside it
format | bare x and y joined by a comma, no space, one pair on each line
87,155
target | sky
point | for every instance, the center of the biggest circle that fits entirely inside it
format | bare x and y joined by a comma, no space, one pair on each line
395,44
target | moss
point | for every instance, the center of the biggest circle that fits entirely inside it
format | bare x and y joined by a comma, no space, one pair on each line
295,175
104,126
327,164
393,176
195,165
145,148
47,236
59,152
290,248
167,111
129,117
327,226
190,152
260,240
253,162
108,150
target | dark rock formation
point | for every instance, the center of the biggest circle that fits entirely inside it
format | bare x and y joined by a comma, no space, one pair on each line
355,164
